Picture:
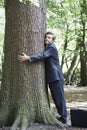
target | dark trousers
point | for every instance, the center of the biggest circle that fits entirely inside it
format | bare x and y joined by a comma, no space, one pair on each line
57,91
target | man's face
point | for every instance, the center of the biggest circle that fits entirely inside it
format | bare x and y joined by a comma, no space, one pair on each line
48,39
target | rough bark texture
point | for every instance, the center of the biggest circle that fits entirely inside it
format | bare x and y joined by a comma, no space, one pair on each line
23,95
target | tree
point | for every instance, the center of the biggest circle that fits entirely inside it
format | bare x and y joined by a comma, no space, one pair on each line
23,94
83,51
72,66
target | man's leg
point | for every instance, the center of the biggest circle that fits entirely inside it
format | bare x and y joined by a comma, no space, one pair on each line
57,92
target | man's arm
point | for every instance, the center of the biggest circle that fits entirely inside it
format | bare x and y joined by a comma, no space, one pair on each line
41,56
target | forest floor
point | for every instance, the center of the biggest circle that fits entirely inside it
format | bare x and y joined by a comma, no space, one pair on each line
76,98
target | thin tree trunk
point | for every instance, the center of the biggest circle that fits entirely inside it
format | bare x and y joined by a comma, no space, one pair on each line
83,49
23,91
65,47
83,60
73,63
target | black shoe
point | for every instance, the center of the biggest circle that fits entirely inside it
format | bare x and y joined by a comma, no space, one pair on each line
62,120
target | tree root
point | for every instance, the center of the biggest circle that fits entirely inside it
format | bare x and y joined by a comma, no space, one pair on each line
24,123
24,118
16,123
21,121
51,119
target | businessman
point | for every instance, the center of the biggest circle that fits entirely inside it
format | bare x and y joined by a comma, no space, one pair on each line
53,73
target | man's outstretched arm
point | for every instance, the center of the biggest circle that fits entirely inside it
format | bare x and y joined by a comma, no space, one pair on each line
41,56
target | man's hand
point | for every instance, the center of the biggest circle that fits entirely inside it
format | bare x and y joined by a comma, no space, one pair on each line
23,57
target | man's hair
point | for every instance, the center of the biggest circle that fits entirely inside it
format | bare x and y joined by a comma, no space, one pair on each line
47,33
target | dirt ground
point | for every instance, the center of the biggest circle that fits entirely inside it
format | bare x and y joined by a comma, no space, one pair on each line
47,127
76,98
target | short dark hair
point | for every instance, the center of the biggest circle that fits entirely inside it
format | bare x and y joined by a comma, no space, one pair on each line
54,37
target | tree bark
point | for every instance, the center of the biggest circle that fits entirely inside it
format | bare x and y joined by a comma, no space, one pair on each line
23,95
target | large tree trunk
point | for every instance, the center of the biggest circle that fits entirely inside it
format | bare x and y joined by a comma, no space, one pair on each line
23,95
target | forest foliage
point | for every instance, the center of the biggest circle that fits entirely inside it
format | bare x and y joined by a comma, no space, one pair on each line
68,20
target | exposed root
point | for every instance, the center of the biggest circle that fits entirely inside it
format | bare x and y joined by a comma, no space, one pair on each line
50,119
46,116
24,118
16,123
24,123
21,121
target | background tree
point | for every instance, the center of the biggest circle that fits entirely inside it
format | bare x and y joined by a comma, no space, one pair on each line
83,53
23,95
2,22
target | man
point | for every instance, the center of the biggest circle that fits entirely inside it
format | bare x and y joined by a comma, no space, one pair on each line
53,73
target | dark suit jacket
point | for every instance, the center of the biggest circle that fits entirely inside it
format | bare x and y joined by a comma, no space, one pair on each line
53,69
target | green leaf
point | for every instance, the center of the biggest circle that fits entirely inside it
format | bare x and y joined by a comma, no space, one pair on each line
70,1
